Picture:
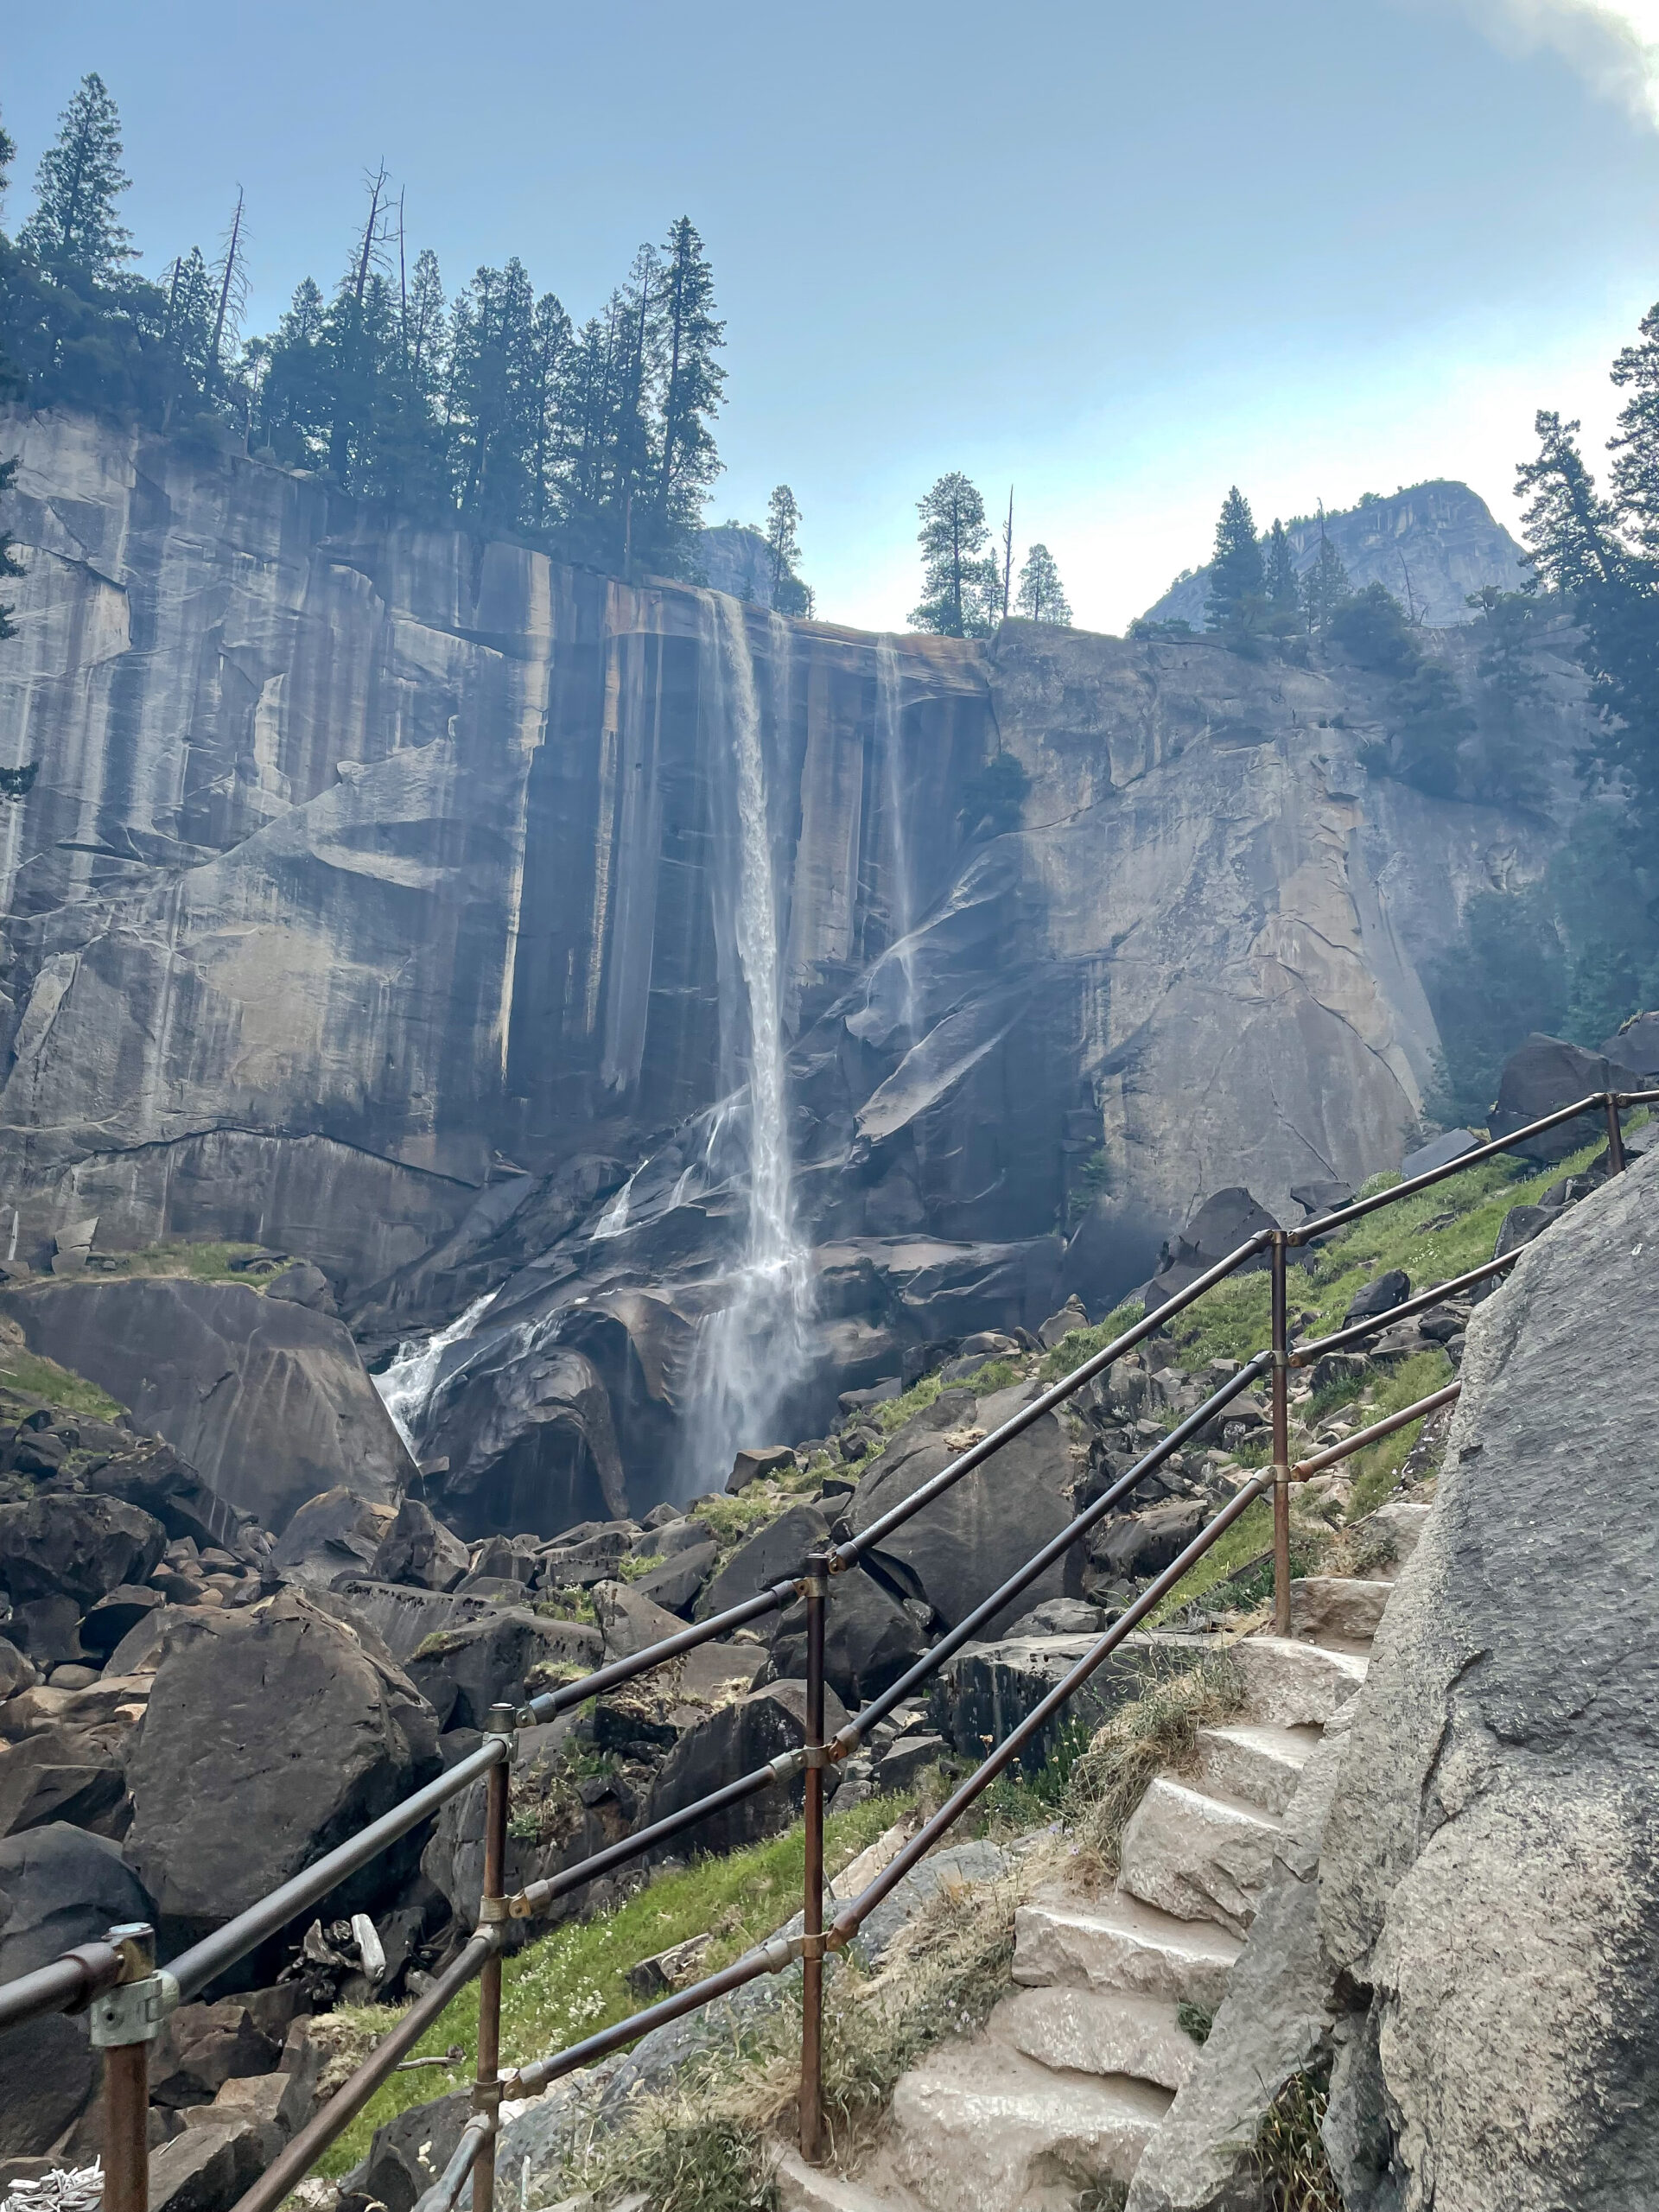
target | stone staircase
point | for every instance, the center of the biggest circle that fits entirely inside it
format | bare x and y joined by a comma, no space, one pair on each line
1050,2105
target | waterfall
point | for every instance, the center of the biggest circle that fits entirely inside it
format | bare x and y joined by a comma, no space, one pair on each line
890,718
753,1351
406,1386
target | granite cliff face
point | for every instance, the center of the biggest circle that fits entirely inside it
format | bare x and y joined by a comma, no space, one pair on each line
392,898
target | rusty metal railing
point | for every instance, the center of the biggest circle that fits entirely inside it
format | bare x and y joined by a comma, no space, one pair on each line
130,1997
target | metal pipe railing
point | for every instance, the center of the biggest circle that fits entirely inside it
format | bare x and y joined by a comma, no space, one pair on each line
130,1997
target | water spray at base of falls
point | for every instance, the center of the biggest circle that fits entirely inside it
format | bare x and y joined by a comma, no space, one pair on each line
752,1352
406,1385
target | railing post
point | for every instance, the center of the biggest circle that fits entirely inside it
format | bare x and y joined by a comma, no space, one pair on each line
814,1584
124,2021
1615,1136
1281,1385
492,1911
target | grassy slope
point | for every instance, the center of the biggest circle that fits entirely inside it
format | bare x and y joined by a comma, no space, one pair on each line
571,1983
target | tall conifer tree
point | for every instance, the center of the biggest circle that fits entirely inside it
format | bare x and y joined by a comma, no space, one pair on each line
1237,574
1041,596
75,227
953,538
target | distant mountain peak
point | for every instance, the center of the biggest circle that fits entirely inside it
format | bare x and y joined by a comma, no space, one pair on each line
1431,544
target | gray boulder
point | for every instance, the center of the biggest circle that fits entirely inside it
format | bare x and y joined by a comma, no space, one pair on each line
418,1548
63,1772
772,1554
1439,1152
409,2151
969,1539
629,1623
77,1548
1221,1224
462,1672
1544,1074
1635,1045
1518,1227
869,1638
303,1283
753,1466
734,1740
1381,1295
267,1740
1491,1832
152,1476
268,1402
676,1583
338,1532
58,1887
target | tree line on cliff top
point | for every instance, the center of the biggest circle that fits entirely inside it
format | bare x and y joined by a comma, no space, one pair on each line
486,405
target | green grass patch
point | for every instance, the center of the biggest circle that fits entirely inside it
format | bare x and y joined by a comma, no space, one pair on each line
204,1262
1235,1548
571,1984
1375,1470
1079,1345
46,1383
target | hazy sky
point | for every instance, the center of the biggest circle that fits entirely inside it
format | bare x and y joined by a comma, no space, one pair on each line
1116,255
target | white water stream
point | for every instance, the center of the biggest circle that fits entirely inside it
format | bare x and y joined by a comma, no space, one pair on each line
407,1384
890,724
752,1351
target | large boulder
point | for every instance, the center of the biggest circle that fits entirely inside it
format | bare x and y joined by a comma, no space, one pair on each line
418,1548
464,1671
269,1738
869,1637
338,1532
1223,1222
1635,1045
267,1401
63,1772
1487,1887
773,1553
958,1549
58,1888
1544,1074
735,1740
152,1476
78,1548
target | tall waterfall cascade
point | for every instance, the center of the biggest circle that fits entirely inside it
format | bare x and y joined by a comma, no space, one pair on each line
889,707
752,1351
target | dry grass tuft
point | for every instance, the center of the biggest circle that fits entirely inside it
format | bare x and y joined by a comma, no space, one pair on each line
1157,1734
1290,2161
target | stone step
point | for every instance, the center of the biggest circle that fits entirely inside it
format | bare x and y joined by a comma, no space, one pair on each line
1198,1857
1291,1685
802,2188
1097,2031
1255,1762
1340,1608
1117,1942
977,2124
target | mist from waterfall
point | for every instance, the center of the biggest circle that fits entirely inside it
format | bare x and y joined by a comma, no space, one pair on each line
890,733
752,1352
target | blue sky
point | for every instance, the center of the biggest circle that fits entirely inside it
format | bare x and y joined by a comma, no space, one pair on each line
1119,257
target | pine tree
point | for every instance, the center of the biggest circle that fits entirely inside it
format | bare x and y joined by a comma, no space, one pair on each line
188,327
1237,576
953,539
12,383
74,227
1325,587
691,336
9,564
1041,598
1592,550
785,590
1284,592
1635,444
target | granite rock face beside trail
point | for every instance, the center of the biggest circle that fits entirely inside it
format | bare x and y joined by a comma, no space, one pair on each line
375,898
1491,1871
